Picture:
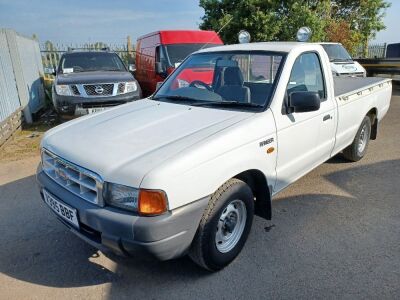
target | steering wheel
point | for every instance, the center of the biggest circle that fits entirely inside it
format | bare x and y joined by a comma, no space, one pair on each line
199,84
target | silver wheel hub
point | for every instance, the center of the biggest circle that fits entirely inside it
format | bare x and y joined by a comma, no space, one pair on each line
230,227
363,140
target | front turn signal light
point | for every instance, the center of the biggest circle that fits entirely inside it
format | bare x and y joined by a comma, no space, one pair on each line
152,202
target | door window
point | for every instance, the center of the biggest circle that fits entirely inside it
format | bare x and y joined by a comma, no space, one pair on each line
160,56
307,75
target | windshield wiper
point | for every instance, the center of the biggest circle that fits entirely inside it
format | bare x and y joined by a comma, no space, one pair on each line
228,103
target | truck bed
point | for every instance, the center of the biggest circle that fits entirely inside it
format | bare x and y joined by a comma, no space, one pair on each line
351,85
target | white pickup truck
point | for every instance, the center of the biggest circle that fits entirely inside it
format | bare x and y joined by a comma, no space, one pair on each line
184,171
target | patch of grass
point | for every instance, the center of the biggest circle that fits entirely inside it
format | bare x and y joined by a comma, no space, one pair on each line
25,142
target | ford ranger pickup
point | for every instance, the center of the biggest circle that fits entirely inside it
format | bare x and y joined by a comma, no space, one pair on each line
184,171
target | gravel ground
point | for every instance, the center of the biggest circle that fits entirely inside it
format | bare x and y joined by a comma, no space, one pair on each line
334,234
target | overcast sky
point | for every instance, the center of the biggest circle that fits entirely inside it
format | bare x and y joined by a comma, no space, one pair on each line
76,21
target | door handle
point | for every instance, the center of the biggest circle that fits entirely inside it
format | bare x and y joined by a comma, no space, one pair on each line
327,117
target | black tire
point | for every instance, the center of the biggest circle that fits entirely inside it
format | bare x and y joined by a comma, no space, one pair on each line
204,250
353,152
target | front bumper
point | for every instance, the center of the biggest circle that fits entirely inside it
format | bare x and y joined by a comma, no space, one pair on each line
74,105
109,229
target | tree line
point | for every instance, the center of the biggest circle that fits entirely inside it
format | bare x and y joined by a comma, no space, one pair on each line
350,22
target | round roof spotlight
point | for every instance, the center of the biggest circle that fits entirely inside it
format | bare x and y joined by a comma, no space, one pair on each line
244,37
303,34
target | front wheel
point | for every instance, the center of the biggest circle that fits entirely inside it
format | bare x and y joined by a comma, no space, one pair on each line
359,147
224,227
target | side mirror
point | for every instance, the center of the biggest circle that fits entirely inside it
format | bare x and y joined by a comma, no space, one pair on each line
304,101
131,68
161,69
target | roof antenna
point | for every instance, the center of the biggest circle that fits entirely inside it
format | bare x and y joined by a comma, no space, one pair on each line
226,24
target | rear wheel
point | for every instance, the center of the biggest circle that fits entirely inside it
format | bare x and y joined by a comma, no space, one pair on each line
224,227
359,147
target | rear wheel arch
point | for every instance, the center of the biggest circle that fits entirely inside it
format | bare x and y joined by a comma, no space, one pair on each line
358,148
373,115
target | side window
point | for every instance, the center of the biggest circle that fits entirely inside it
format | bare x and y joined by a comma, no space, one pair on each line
307,75
160,57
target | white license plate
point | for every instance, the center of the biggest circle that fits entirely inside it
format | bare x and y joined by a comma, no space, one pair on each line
95,110
66,212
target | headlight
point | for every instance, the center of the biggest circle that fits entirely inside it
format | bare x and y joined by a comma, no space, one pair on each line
121,196
63,90
145,202
130,87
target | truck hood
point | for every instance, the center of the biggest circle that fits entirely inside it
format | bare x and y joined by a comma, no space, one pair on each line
94,77
126,142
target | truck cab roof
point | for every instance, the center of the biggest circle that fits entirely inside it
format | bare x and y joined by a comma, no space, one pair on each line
261,46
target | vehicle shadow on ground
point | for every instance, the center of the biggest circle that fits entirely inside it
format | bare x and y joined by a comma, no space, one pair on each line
315,242
37,248
311,239
338,159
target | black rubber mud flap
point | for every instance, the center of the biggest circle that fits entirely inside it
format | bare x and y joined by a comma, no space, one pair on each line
263,206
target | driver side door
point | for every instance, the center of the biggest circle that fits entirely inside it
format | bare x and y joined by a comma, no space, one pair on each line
304,138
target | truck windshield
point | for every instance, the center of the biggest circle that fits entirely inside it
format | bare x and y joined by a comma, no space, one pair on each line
337,52
178,52
242,79
90,61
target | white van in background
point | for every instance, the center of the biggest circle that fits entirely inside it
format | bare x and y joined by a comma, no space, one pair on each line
341,62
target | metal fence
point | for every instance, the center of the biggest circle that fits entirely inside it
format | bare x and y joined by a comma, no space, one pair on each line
9,99
21,73
32,72
373,51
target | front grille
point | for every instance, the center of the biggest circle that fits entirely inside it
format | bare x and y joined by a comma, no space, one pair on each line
77,180
99,89
75,90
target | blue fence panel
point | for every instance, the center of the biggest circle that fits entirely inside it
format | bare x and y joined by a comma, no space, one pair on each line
9,99
32,70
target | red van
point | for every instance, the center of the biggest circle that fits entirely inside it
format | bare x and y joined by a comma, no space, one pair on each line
159,53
